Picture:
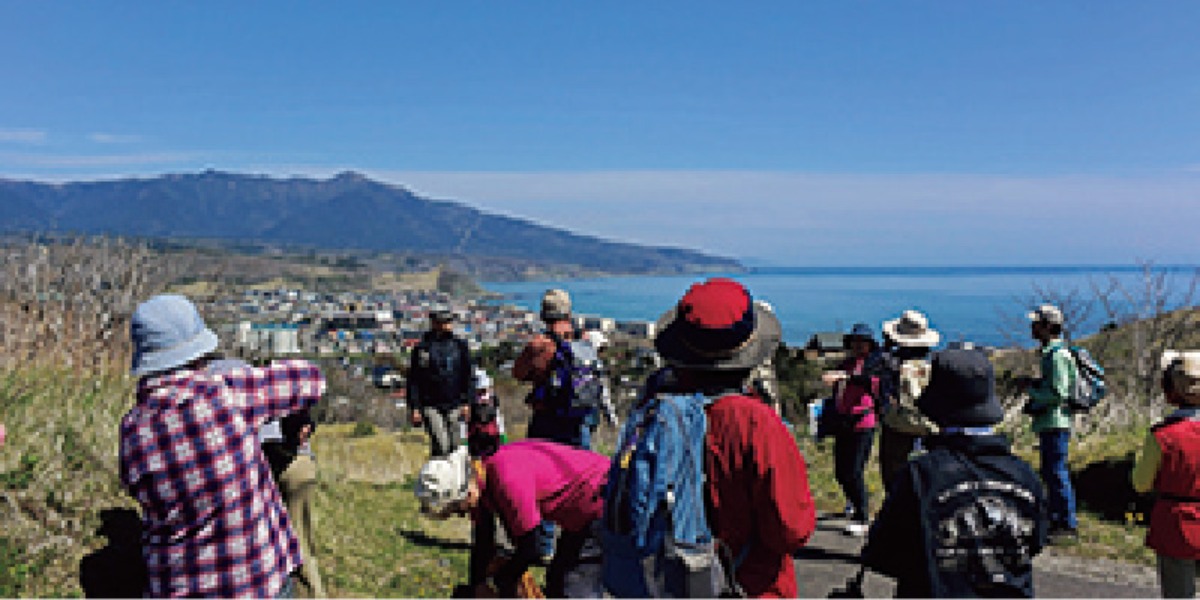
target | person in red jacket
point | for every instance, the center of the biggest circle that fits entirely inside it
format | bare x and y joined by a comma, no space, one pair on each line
760,503
1167,464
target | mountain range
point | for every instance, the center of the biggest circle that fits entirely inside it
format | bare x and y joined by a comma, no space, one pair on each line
348,211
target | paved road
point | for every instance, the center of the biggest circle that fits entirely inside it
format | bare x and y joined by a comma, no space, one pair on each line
830,560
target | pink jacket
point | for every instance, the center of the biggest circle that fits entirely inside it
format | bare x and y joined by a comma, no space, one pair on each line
853,398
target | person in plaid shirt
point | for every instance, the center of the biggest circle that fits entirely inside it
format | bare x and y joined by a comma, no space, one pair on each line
213,523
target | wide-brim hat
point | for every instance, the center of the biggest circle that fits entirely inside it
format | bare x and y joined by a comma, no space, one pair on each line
911,330
961,390
718,326
167,333
441,482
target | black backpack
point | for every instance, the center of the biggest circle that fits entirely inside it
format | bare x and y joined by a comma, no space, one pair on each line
575,387
981,528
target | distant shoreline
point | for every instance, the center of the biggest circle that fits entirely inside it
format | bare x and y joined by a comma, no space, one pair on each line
985,305
915,271
958,270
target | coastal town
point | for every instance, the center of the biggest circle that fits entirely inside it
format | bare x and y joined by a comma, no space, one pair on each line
375,331
297,322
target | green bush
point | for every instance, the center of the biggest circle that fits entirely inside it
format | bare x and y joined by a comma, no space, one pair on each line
363,429
13,569
23,475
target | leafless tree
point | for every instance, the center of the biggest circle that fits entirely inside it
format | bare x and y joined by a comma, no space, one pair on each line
1154,312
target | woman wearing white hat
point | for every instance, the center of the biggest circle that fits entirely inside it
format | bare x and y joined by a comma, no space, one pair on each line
910,341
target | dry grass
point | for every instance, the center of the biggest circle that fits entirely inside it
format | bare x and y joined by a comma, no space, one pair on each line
371,540
57,472
382,458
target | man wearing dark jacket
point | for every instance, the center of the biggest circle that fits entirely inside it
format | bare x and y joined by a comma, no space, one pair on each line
440,384
966,518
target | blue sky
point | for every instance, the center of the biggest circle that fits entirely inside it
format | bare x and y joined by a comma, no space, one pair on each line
805,133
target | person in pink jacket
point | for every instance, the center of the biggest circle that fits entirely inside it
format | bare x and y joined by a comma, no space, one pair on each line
855,389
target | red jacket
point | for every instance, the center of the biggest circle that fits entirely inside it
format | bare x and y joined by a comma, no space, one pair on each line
1175,519
758,485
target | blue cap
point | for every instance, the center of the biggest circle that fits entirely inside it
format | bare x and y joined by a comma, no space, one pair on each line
167,333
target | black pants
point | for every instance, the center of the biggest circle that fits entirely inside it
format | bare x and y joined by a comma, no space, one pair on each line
850,453
566,559
894,448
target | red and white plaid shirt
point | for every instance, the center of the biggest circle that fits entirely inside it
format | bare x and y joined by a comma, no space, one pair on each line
213,523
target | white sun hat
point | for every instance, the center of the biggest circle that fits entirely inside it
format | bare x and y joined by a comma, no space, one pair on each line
441,482
912,330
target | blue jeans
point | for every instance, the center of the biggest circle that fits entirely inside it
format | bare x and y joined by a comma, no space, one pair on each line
587,428
1060,497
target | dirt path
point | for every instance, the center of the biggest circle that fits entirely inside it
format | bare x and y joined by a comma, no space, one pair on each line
830,559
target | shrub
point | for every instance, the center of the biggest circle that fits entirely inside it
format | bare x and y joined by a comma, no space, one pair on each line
363,429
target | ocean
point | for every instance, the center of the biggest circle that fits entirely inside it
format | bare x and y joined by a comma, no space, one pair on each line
983,305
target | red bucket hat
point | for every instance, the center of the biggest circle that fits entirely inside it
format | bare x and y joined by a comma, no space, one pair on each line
717,326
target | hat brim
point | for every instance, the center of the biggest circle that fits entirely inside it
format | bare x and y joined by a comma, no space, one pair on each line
928,339
1036,317
761,346
157,361
944,407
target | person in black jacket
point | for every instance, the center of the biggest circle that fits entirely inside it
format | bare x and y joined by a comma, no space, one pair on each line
966,518
441,384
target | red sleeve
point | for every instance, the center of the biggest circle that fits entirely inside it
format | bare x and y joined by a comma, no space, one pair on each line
783,503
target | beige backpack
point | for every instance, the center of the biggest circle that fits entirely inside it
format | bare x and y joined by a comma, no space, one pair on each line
902,414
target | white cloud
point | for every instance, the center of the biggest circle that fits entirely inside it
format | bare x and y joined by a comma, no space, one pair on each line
23,136
69,161
114,138
814,218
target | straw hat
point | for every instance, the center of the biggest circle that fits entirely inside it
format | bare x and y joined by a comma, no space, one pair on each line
912,330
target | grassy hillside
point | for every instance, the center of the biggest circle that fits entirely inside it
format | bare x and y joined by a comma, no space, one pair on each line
58,476
59,472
